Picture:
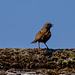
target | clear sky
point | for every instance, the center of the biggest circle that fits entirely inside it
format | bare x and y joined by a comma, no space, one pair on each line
20,20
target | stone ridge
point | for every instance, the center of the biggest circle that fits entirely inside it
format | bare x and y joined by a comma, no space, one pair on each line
52,60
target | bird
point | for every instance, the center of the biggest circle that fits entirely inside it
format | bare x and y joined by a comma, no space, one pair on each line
43,35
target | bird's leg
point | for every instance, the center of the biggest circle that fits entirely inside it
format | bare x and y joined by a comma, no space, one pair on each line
46,45
39,45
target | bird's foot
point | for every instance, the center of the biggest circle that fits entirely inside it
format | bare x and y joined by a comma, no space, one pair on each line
39,48
47,48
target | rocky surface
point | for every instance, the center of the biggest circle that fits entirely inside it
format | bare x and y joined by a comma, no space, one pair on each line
37,61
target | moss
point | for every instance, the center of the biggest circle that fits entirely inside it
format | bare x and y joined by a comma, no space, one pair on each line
73,58
64,64
73,50
16,52
60,60
2,51
51,65
49,60
63,57
17,49
54,58
70,63
50,72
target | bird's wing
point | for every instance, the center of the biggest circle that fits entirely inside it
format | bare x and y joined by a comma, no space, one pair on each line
42,34
39,35
46,35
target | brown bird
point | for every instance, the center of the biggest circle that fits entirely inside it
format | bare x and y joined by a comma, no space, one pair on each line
43,35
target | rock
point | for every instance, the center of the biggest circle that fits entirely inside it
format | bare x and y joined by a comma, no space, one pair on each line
48,61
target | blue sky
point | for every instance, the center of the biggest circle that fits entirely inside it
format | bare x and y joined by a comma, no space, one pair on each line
20,20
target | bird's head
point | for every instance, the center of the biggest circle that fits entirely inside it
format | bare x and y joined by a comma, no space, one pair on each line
48,25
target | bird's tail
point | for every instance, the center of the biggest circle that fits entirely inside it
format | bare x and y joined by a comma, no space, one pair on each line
34,41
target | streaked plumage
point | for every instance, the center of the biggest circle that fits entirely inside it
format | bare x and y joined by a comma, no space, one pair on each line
43,35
